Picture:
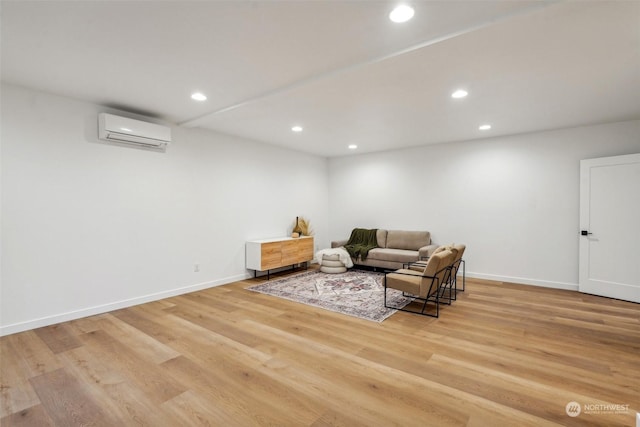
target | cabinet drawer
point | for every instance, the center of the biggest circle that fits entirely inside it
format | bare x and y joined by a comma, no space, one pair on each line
271,256
297,251
306,250
289,252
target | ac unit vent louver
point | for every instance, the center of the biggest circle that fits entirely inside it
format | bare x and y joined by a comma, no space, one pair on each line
129,131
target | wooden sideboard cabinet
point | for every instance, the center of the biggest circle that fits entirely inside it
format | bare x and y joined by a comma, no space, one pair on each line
268,254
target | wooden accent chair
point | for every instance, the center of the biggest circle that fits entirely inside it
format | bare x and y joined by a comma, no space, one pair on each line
423,285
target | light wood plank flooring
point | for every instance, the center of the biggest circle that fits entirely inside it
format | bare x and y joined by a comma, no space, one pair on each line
501,355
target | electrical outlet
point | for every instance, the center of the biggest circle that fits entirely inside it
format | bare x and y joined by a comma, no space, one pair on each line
196,268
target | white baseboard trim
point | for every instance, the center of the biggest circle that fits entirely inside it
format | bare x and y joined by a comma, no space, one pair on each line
525,281
91,311
99,309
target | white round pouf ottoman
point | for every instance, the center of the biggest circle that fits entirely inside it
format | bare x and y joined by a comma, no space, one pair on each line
331,264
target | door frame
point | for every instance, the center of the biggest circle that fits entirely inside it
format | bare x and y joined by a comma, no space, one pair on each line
584,246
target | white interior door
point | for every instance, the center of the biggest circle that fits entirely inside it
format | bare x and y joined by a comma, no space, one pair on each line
610,227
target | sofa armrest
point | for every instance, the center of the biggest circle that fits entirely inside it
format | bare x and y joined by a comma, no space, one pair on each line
338,243
427,251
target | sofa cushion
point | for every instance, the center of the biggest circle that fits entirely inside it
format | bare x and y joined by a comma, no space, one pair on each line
443,248
381,237
393,255
411,240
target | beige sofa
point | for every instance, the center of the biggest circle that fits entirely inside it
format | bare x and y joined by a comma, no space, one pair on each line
395,248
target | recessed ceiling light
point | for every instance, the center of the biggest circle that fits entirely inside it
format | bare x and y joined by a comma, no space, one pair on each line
401,13
198,96
353,147
460,93
484,127
297,128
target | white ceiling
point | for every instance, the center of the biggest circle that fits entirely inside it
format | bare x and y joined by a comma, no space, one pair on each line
340,69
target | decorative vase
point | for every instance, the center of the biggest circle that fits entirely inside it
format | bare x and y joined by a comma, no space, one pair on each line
297,230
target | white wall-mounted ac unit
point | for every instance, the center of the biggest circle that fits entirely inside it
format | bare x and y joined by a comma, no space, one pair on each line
130,131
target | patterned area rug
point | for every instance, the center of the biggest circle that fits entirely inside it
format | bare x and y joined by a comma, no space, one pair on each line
355,293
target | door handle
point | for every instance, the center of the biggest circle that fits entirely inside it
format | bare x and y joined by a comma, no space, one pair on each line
584,233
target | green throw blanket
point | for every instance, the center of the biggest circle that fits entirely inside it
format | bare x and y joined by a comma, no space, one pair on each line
361,242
